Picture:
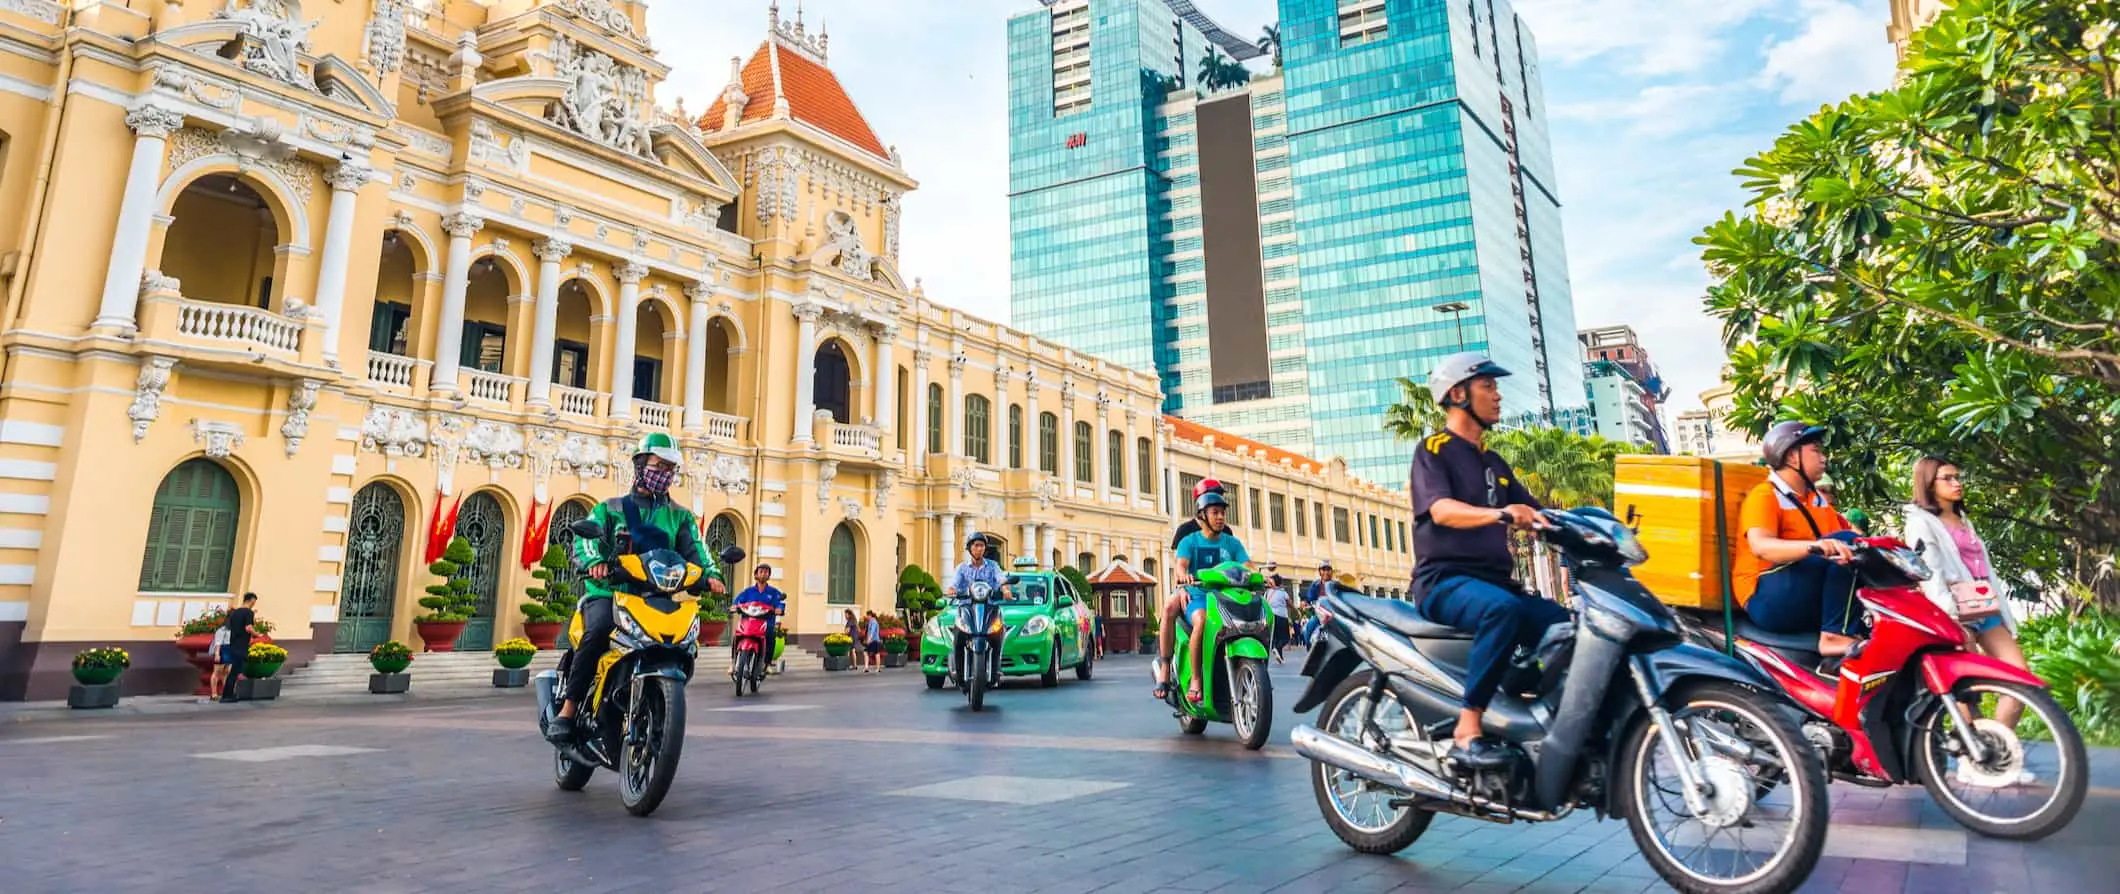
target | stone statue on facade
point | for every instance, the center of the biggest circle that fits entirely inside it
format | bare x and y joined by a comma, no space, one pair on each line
273,38
842,242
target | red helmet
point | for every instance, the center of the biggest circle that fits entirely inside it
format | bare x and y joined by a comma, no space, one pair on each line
1206,485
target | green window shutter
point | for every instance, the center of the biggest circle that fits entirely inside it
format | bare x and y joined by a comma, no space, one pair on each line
191,531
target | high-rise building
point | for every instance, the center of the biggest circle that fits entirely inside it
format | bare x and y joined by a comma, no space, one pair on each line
1620,347
1281,250
1620,406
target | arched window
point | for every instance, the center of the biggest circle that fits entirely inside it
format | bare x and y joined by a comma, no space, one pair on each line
1144,466
1084,461
841,567
1015,436
1115,459
721,534
191,530
1087,563
934,419
1049,443
976,428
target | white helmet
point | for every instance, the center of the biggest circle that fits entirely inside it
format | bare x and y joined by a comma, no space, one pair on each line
1457,369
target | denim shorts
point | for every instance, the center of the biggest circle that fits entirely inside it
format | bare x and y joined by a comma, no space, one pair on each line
1982,626
1195,600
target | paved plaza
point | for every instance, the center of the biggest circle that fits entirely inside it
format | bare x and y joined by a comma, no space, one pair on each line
840,782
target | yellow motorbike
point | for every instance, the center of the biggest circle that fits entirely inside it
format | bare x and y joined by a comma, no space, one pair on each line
633,718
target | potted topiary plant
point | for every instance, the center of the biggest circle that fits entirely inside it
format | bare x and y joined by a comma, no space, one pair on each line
259,665
450,603
713,620
836,647
96,673
551,601
515,656
390,660
894,649
1148,635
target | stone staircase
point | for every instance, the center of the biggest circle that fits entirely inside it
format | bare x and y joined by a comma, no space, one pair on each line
467,673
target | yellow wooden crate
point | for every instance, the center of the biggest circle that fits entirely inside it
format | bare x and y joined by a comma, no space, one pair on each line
1672,501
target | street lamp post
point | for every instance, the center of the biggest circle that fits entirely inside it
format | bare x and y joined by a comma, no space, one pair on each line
1456,310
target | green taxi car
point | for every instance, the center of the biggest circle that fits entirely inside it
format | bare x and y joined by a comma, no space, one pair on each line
1046,626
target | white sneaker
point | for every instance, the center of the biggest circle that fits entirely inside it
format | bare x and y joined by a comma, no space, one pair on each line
1966,776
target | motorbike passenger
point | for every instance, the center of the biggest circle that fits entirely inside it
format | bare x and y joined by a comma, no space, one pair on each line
1212,545
1187,527
1465,498
649,520
1793,575
761,590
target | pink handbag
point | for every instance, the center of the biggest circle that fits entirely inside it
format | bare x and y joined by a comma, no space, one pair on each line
1977,600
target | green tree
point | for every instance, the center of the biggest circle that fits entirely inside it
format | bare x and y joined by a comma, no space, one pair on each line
918,593
452,598
1213,68
553,598
1077,580
1416,415
1270,43
1560,468
1936,268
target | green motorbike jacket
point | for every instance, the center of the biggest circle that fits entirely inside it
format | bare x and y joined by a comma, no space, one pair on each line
663,525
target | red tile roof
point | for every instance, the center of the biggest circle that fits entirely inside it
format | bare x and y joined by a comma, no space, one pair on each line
1121,574
1197,433
814,97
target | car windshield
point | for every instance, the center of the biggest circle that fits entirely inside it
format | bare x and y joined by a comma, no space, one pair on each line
1028,591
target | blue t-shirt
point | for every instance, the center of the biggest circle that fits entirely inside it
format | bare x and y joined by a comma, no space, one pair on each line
771,595
1200,553
968,573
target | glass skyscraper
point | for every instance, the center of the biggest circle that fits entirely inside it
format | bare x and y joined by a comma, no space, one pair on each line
1282,251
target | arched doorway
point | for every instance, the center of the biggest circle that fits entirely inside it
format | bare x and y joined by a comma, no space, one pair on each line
721,390
565,515
482,523
723,533
396,295
191,531
571,354
368,588
834,382
222,241
842,566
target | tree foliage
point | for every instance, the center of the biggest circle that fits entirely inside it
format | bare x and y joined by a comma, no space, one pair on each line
1269,42
451,599
1416,415
1218,71
554,597
1936,268
1562,469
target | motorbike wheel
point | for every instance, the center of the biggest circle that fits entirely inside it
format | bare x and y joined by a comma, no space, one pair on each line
758,668
1985,807
743,671
935,682
977,693
568,775
1190,725
1762,727
1051,677
1251,700
652,745
1358,811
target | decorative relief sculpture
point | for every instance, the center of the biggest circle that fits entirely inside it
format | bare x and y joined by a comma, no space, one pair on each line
884,482
445,432
730,475
394,432
605,100
967,480
495,445
891,207
850,507
219,439
487,147
826,471
543,455
154,121
299,403
583,456
602,14
147,395
384,51
1048,491
843,245
273,38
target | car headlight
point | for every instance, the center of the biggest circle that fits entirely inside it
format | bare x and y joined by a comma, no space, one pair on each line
1037,626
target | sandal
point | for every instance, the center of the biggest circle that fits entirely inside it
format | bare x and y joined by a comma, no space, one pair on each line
1162,692
1194,696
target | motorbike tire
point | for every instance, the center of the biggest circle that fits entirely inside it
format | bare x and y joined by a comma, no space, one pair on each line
1190,725
568,775
1251,702
2069,790
759,676
743,671
1806,785
1392,837
1051,677
642,789
976,694
935,682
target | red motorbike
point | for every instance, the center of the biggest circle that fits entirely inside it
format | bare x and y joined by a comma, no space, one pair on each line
1912,703
755,651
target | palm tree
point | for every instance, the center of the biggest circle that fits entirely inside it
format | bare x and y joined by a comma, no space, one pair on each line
1415,416
1561,468
1213,68
1270,42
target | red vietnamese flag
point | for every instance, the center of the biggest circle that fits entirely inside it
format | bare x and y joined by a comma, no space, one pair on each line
535,533
442,529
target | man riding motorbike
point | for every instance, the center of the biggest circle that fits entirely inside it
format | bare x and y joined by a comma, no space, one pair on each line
976,569
1793,575
761,590
1464,500
1212,545
1205,487
648,520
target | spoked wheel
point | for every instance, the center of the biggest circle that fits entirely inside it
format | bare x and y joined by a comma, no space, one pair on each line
2026,789
1251,700
977,693
654,740
1739,841
1360,811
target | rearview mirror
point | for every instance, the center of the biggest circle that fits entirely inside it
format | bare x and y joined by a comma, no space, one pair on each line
1065,602
587,529
733,555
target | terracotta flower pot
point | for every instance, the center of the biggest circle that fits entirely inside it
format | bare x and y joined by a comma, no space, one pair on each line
439,636
194,649
543,634
710,632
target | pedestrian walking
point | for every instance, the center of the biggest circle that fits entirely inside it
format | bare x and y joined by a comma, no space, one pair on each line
1964,583
1277,600
872,644
240,627
1099,621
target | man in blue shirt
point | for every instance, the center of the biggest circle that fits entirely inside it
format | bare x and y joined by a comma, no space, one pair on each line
761,590
976,569
1212,545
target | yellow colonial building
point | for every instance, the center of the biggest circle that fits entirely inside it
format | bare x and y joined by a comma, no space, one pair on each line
285,280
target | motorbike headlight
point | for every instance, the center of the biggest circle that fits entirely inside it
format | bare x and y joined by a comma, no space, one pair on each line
629,628
1037,626
691,634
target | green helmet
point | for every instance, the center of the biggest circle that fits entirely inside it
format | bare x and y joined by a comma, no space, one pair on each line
660,445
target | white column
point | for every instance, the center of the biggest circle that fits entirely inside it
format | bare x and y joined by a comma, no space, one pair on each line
629,276
948,546
886,380
953,411
346,181
1052,537
456,282
1067,435
546,321
1100,448
696,359
920,408
806,371
1132,454
1029,545
1033,447
152,126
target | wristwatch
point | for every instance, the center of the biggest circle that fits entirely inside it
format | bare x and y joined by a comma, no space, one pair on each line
1502,515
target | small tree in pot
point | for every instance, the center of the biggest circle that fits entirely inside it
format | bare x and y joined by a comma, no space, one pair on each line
450,603
551,601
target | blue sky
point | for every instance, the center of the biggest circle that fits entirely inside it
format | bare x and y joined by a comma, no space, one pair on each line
1653,103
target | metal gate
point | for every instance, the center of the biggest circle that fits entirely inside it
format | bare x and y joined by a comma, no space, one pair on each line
482,523
565,516
721,534
368,590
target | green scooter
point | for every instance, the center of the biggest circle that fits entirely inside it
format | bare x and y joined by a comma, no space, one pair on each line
1234,684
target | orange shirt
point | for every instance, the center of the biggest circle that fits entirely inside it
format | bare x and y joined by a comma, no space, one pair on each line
1766,507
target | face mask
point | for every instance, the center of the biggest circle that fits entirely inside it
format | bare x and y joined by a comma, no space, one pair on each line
656,481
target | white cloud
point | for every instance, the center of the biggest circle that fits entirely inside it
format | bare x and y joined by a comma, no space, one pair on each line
1648,37
1841,51
1663,110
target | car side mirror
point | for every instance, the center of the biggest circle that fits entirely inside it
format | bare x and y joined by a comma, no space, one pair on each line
733,555
587,529
1065,602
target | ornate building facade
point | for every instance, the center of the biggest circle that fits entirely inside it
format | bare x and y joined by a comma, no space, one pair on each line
287,282
1908,16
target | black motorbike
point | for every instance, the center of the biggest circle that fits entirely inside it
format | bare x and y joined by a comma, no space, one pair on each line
975,648
1614,711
